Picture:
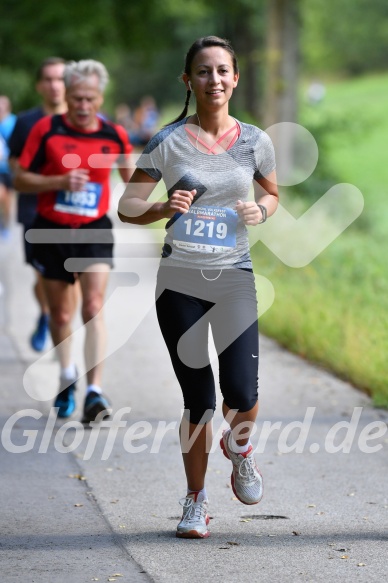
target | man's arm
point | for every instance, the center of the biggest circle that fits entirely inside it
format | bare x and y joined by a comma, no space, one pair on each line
30,182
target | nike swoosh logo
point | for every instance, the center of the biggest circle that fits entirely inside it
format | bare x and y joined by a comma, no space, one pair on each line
253,356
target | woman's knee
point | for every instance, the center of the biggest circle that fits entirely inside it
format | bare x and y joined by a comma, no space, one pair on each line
240,396
199,415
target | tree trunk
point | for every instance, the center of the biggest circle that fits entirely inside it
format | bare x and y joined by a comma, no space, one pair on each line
281,87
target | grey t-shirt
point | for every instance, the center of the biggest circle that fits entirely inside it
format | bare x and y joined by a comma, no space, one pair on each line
210,236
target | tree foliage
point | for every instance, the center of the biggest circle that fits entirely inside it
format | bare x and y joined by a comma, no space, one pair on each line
349,36
143,43
31,31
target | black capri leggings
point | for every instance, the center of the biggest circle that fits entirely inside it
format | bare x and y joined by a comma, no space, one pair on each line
187,302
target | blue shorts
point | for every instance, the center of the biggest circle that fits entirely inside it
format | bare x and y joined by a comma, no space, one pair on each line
6,179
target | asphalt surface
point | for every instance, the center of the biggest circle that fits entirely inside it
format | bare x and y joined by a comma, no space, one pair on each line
102,504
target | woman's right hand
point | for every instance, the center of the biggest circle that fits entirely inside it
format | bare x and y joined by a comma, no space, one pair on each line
179,202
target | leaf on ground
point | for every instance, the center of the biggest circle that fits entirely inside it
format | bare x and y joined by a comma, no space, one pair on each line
233,543
117,575
295,533
78,505
245,520
77,476
224,548
344,556
311,505
361,565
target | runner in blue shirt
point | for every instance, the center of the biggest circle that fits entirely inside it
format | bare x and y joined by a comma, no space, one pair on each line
7,122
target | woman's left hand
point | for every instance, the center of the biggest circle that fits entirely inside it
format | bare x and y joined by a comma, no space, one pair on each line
249,212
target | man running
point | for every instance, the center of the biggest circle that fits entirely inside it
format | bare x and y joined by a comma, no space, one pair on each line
67,159
51,88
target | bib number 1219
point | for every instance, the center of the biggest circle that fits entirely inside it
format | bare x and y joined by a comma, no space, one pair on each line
206,230
200,228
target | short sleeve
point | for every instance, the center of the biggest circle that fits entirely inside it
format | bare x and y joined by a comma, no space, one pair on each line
17,139
151,159
155,156
264,156
24,123
32,156
123,135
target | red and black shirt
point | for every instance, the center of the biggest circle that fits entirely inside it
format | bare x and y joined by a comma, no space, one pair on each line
54,147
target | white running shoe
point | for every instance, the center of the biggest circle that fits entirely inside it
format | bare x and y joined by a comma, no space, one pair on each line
194,519
247,482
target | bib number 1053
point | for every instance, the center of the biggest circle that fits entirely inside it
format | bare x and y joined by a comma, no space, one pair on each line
84,202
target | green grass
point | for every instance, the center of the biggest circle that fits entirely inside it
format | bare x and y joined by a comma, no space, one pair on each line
335,310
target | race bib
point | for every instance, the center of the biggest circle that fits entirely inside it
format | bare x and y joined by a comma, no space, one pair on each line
206,229
84,202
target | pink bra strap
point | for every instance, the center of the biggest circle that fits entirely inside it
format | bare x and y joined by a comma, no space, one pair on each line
210,149
222,137
197,138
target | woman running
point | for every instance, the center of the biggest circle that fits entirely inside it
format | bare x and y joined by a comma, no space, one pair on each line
208,162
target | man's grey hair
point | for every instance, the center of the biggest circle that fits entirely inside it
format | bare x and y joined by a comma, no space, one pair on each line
76,72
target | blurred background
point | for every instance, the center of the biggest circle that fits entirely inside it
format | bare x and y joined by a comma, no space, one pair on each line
319,63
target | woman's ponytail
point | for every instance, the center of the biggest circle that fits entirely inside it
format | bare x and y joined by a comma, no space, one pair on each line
184,112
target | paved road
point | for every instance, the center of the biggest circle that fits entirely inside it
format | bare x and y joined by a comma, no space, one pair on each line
102,505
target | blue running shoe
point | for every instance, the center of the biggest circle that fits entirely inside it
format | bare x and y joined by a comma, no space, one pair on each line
65,401
96,406
40,336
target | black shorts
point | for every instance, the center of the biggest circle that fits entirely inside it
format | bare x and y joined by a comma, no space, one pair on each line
188,301
73,249
28,247
5,178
